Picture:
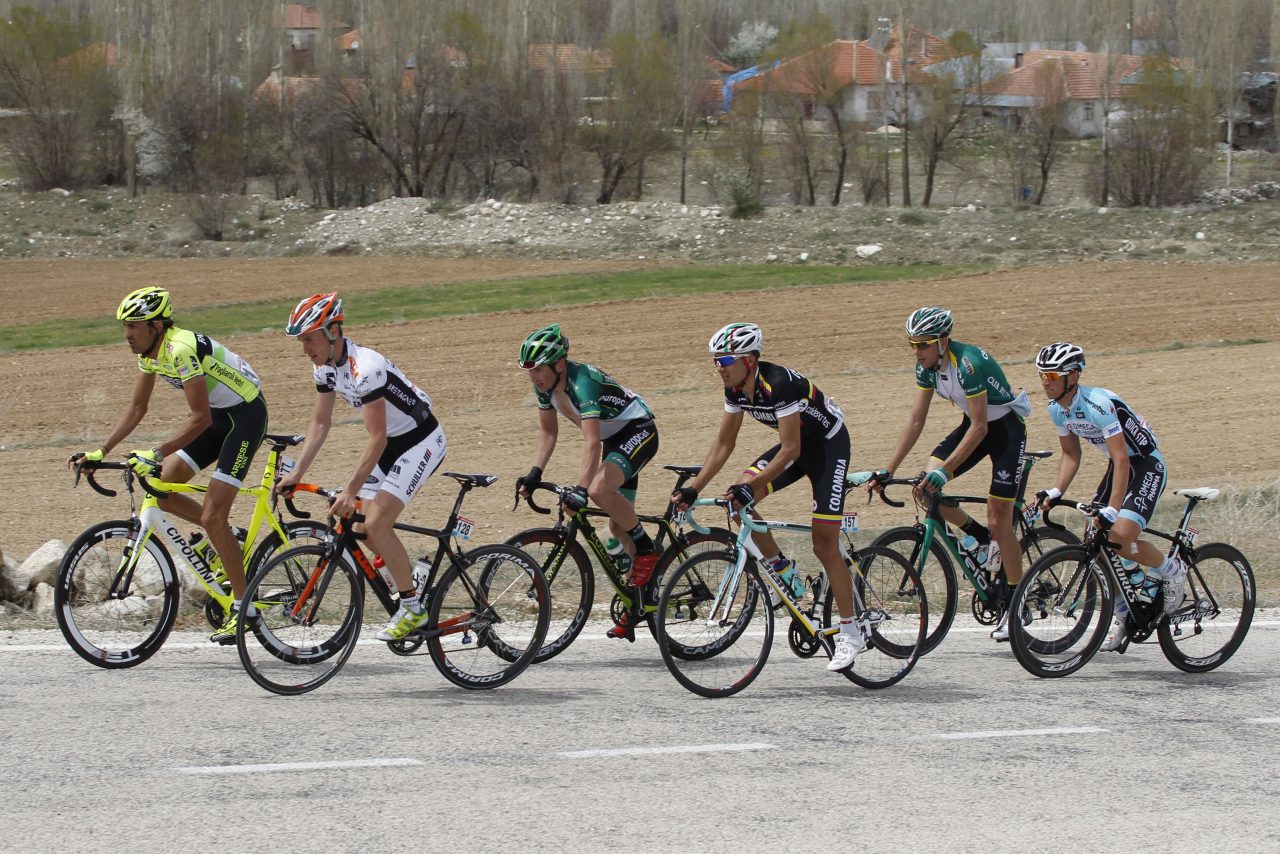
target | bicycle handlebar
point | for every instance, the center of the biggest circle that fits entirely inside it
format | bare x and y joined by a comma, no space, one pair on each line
533,505
87,469
861,478
743,519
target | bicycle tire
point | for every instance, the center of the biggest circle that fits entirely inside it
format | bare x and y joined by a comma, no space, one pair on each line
745,618
695,543
1037,542
1220,585
571,586
938,576
1068,597
293,653
113,631
893,604
498,594
299,531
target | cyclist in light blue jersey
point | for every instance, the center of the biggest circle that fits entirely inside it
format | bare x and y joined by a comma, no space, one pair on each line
1135,475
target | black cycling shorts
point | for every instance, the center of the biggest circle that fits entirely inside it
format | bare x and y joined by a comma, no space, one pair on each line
825,463
630,449
1004,444
232,439
1147,477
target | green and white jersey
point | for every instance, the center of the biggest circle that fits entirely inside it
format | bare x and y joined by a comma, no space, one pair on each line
185,355
594,394
968,371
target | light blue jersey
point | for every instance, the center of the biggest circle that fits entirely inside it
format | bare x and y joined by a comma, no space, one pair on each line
1096,414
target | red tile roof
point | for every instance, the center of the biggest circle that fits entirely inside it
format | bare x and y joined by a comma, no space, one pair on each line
1084,74
568,57
298,16
924,47
831,68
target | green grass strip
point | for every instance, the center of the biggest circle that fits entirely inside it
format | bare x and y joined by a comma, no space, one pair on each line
419,302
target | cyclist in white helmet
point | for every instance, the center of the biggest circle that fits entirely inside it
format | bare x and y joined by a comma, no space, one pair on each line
813,443
227,424
406,443
993,427
1135,475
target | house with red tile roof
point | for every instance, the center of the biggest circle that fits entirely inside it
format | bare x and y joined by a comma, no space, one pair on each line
1087,82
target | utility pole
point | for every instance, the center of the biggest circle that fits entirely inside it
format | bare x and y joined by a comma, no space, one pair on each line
883,27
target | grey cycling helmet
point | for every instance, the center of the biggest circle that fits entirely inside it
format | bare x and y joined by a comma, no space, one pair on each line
544,347
929,321
737,339
1060,357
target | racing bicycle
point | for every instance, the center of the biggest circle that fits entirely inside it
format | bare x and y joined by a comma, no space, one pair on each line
488,606
569,572
724,612
1067,600
118,592
934,550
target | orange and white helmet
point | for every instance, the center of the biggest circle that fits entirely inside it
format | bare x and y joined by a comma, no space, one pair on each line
315,312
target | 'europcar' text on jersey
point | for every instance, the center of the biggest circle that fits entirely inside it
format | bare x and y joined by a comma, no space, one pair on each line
968,371
780,392
1096,414
366,375
594,394
185,355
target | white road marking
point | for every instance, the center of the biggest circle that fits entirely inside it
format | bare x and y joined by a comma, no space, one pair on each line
295,766
1016,733
649,751
1263,721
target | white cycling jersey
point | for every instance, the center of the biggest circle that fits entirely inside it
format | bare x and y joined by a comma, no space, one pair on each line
366,375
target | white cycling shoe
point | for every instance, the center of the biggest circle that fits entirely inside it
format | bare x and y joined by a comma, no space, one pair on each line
848,645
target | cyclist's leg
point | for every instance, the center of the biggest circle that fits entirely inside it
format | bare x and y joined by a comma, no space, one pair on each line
1147,477
243,426
1005,444
826,467
406,464
957,516
768,546
623,455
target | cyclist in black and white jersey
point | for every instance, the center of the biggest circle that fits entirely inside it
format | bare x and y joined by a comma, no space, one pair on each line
405,447
813,443
227,424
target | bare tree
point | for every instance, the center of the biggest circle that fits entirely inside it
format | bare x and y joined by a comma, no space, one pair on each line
945,105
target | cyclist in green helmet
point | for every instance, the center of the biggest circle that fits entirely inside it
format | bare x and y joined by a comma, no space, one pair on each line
227,423
993,426
620,435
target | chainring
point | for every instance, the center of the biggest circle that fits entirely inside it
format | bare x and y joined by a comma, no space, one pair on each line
982,612
803,644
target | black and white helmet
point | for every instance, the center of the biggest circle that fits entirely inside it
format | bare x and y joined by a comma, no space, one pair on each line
737,339
1060,357
929,321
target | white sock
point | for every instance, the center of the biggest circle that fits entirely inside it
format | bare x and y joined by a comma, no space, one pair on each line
849,626
1169,568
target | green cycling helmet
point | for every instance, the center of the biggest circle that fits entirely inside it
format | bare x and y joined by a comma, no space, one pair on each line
543,347
149,303
929,320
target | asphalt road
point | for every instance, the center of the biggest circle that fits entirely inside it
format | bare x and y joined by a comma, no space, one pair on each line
600,749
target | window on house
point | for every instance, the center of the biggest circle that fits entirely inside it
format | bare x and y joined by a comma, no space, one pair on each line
873,102
1088,112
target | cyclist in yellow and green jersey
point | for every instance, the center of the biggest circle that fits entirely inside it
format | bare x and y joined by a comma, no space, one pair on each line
227,423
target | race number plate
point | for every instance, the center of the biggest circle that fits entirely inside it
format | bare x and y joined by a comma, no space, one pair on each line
849,523
463,529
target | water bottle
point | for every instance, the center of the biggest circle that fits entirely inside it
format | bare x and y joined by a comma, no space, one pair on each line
1143,585
620,557
969,543
385,571
205,549
421,574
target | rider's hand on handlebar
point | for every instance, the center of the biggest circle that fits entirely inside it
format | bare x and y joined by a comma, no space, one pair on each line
525,485
1045,498
1107,516
574,499
86,458
877,482
145,462
286,485
741,494
343,505
684,497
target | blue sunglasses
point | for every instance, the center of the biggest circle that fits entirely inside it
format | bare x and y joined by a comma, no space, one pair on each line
725,361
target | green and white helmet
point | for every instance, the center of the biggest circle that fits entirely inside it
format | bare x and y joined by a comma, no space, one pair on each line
737,339
929,320
544,347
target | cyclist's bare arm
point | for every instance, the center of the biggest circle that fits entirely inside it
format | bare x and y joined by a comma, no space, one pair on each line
789,436
1067,466
317,432
590,450
910,433
133,414
972,437
721,449
548,433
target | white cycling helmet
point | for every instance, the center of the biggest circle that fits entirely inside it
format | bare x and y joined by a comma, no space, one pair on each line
929,321
737,339
1060,357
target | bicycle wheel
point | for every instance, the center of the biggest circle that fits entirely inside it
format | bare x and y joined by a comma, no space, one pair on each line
1216,613
307,603
693,544
1065,599
938,576
298,531
1036,542
572,585
113,620
892,606
723,612
489,617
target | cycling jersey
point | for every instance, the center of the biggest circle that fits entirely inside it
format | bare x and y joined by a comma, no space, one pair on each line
185,355
366,375
968,371
780,392
1096,414
591,393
